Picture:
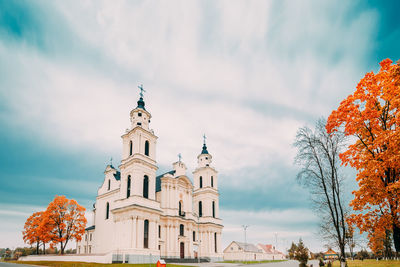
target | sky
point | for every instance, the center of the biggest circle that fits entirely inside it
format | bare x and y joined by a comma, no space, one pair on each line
247,74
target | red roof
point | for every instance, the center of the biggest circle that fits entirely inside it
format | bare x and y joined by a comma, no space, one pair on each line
269,249
330,252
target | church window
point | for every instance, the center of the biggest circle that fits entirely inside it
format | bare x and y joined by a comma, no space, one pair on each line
139,114
159,231
200,209
206,157
181,230
109,184
107,210
146,187
194,236
90,249
146,148
201,182
90,239
139,123
215,242
180,208
130,148
146,234
213,209
128,187
212,181
86,237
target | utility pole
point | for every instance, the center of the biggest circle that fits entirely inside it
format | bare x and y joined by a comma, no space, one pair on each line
245,241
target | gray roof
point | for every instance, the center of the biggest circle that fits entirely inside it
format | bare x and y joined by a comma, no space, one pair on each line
117,176
90,228
158,180
248,247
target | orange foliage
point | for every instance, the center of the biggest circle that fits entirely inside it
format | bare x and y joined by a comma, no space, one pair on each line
66,219
372,115
63,220
32,232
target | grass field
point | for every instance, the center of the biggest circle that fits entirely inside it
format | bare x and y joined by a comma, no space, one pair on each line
87,264
252,262
369,263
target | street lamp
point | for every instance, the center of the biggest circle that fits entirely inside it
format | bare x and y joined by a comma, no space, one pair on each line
198,236
245,240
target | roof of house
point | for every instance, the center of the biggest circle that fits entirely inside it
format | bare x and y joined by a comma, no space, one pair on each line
248,247
158,180
330,252
267,248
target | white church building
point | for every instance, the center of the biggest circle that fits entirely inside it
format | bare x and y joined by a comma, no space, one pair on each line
141,217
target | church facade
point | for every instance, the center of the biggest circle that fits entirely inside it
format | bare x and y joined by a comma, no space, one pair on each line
141,217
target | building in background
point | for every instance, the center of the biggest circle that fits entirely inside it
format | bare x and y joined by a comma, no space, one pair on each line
141,217
238,251
331,255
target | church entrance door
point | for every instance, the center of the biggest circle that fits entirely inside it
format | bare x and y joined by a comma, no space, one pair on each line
182,250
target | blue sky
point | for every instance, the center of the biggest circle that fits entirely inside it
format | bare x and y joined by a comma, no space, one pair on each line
246,73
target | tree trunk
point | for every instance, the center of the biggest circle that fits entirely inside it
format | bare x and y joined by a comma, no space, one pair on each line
396,238
37,248
44,248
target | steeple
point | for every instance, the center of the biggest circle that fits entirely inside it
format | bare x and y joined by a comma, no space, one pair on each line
140,116
204,151
204,159
140,103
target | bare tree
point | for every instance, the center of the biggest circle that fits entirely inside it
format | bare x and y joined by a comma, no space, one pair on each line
318,154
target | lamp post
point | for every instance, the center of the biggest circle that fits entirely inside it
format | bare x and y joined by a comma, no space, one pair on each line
245,241
198,236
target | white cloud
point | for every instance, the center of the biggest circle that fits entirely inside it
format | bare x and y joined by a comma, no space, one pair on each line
202,65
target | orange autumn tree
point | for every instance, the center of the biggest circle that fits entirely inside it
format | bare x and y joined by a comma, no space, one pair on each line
372,115
66,220
32,233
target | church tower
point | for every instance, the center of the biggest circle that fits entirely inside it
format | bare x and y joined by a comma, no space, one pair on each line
138,164
206,196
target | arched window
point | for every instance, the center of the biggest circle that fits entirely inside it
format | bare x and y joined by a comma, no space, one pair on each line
146,148
109,184
180,208
201,182
212,181
146,187
215,242
130,148
146,234
181,230
128,187
200,209
107,210
194,236
213,209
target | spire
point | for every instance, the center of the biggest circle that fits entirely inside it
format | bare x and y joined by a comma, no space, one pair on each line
204,151
140,103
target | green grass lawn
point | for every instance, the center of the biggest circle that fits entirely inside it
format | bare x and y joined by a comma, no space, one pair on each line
88,264
252,262
369,263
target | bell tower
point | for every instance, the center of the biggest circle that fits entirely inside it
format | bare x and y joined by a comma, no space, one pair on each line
138,164
206,196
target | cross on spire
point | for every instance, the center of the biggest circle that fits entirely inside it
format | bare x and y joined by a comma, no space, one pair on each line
204,138
179,157
141,90
111,161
